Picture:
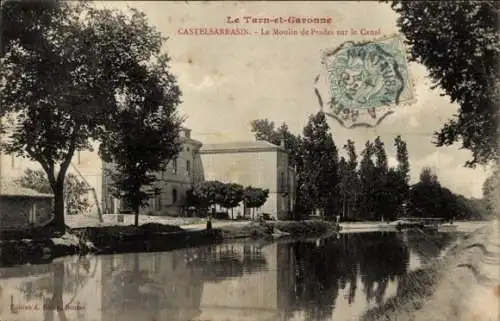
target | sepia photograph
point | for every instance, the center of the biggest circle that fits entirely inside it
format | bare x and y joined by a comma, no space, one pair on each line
249,160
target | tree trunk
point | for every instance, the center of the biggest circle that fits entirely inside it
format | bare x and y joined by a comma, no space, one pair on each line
136,216
57,300
58,190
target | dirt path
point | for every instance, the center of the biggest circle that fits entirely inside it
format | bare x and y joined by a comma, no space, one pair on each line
470,289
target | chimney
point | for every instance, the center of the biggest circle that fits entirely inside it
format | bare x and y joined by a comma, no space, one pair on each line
282,144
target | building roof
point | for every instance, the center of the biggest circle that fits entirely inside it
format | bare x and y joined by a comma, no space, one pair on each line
12,189
247,146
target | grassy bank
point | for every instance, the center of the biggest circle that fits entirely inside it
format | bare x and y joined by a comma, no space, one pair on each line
273,229
145,238
434,292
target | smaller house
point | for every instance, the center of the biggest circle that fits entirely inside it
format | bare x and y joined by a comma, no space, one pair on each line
23,207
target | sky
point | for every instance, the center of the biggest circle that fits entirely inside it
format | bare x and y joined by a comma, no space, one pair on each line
228,81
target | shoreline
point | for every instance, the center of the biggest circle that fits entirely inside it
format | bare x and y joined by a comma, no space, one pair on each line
149,237
447,289
160,237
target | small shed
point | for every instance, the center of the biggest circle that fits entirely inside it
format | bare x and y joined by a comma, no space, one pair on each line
22,207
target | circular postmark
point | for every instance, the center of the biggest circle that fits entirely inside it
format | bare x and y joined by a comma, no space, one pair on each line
364,76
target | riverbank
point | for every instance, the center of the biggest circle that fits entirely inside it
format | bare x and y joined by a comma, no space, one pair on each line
147,238
463,285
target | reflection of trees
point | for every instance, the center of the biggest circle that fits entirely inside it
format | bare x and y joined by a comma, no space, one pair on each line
317,275
56,304
71,275
383,257
322,269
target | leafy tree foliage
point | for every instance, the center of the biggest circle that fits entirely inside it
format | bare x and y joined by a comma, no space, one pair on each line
491,192
146,110
228,195
349,183
427,196
428,177
430,199
320,166
384,190
367,175
63,72
254,198
459,43
206,194
402,171
74,189
232,197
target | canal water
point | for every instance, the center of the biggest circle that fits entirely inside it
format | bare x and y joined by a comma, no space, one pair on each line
337,278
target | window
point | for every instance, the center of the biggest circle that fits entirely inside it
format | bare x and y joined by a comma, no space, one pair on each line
174,196
174,166
187,149
188,166
282,182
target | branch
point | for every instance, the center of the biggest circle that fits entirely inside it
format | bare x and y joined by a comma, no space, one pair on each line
47,167
72,147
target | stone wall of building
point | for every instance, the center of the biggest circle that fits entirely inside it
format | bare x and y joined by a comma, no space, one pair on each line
258,164
86,165
17,212
172,185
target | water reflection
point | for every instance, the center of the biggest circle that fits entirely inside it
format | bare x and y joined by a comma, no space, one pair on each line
335,278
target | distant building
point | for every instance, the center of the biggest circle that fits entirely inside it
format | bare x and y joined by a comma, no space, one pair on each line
256,163
23,207
86,165
168,196
253,163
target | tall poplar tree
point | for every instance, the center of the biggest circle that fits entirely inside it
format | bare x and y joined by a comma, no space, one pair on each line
320,163
367,176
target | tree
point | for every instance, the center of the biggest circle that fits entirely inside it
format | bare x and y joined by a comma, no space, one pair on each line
367,175
74,189
428,198
383,192
233,195
459,43
320,165
491,190
207,194
265,129
254,198
20,20
343,185
402,171
148,111
352,181
428,177
63,86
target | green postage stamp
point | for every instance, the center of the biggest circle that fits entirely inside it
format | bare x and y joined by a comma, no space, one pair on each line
367,80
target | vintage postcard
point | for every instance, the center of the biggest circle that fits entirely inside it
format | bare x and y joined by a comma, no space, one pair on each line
260,161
